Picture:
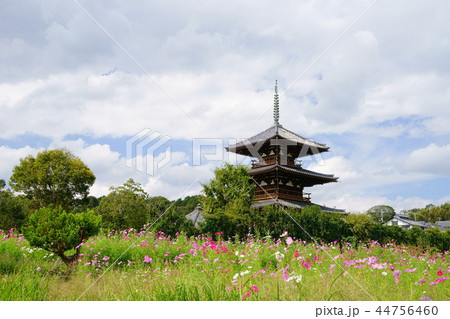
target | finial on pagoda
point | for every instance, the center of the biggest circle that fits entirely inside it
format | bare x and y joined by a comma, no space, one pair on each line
276,106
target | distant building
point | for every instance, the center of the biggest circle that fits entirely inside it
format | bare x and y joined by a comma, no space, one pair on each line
443,225
407,223
196,216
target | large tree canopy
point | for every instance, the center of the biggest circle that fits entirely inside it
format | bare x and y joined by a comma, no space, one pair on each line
53,177
230,188
381,213
126,206
13,209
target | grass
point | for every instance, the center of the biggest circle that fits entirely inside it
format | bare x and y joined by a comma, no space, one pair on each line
149,266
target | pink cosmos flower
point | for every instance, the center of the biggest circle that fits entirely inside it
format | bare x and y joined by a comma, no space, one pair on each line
147,259
296,254
410,270
289,240
439,273
255,289
38,269
284,234
397,273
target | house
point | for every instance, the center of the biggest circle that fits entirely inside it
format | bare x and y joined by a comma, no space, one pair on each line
407,223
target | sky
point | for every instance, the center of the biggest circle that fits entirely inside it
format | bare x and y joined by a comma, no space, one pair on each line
177,81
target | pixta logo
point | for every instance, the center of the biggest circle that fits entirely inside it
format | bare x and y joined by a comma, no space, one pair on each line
145,151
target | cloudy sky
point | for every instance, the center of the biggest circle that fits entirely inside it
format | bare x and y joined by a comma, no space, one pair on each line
369,79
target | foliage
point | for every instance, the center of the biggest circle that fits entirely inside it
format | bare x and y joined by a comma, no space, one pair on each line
430,213
124,207
229,190
381,213
227,199
360,225
53,177
57,231
153,266
186,205
13,210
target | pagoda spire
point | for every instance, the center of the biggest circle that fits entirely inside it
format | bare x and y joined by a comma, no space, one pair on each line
276,106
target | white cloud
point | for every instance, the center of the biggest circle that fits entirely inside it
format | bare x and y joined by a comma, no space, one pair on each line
432,159
383,87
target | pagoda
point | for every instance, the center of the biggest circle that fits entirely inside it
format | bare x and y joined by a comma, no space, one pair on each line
276,166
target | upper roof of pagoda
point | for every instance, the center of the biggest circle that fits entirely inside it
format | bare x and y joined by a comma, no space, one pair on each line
297,146
277,131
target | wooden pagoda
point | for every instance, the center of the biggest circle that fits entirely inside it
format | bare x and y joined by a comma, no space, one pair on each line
276,169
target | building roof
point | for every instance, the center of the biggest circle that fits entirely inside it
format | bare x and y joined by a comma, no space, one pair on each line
280,132
300,171
196,216
408,220
288,203
443,224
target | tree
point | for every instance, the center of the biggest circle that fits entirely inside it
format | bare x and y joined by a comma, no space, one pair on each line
381,213
126,206
57,231
227,199
431,213
13,210
53,177
230,188
360,225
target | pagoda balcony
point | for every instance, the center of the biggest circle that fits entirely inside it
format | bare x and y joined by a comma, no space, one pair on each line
274,159
281,193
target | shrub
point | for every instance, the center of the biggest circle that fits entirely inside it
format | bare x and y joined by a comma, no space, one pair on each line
57,231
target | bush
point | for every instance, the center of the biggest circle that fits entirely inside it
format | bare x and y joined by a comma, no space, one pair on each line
57,231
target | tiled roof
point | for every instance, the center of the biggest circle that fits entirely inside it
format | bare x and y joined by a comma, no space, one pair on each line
295,170
275,130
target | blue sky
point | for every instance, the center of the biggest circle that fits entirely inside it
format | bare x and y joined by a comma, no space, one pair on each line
372,81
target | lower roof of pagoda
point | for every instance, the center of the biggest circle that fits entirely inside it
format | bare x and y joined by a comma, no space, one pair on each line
326,178
295,204
300,146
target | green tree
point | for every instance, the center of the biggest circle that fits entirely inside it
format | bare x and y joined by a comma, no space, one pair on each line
431,213
53,177
381,213
126,206
13,209
360,225
227,199
57,231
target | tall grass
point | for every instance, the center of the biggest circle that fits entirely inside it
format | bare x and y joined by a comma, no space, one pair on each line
149,266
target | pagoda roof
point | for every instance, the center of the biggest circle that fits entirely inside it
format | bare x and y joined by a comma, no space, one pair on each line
294,204
300,171
274,131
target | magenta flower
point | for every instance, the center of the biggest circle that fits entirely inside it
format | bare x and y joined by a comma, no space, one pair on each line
255,289
296,254
147,259
425,298
440,273
410,270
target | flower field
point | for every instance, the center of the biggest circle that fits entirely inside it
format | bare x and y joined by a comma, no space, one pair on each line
131,265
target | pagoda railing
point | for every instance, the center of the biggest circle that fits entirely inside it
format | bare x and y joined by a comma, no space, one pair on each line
272,193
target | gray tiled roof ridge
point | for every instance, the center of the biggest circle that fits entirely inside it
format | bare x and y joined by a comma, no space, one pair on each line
272,132
298,170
